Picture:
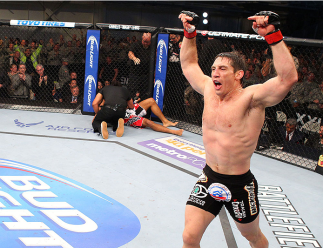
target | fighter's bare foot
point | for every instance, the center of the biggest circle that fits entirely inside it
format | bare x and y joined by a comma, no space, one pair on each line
169,124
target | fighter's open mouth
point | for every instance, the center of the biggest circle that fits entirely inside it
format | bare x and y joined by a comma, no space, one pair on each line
217,85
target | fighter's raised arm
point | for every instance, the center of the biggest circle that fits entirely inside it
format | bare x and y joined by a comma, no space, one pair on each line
188,54
266,24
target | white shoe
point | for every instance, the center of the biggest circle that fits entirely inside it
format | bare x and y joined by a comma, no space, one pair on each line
104,130
120,129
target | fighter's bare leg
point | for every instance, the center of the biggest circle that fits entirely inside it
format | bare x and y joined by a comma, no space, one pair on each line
150,103
196,222
253,234
159,128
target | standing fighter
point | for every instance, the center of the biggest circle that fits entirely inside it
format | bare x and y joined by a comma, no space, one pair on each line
232,121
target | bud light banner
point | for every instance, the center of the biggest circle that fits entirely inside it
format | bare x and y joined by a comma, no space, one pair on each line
91,69
161,68
39,208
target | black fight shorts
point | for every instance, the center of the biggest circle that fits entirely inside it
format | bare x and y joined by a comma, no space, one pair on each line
238,193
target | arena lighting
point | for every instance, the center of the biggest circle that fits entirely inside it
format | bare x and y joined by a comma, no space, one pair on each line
205,14
205,21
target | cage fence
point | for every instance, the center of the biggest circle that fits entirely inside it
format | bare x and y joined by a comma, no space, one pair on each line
42,68
127,55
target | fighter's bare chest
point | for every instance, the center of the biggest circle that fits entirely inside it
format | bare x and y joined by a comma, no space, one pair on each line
220,116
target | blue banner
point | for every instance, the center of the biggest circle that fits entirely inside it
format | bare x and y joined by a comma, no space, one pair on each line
161,68
91,69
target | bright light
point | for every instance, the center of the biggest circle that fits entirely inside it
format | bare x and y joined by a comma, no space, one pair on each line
205,21
205,14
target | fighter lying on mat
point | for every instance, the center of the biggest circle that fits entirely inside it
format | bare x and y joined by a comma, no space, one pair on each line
134,117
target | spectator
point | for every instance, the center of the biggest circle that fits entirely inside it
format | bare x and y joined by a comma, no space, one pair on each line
10,51
297,97
73,75
290,134
63,74
316,140
57,96
74,38
109,70
61,41
33,47
67,89
309,85
100,86
21,83
29,59
69,52
75,92
5,82
79,53
15,59
139,69
12,71
315,98
42,84
54,56
247,81
50,45
305,71
22,46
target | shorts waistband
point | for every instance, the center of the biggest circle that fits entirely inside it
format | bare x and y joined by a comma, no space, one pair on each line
248,176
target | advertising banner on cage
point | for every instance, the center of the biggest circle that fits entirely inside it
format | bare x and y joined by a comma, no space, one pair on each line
51,24
161,69
91,69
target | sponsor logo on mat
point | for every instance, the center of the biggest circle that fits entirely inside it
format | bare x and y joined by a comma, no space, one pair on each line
179,149
39,208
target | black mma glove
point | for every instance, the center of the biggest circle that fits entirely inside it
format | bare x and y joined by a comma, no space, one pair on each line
275,36
191,33
273,19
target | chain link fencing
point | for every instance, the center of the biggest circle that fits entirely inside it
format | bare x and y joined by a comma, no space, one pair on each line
128,56
42,68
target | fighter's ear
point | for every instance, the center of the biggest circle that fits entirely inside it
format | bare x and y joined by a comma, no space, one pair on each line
239,74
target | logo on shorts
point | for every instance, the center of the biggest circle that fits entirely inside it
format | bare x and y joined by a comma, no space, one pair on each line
239,209
252,198
199,191
203,178
219,192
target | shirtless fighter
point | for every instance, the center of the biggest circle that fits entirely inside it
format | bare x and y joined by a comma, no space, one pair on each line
232,121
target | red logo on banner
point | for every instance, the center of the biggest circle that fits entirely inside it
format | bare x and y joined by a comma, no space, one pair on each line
204,33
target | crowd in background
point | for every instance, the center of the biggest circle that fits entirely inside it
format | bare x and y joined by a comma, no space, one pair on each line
42,70
65,55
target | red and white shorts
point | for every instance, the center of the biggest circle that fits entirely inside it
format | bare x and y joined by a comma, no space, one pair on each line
133,117
134,121
139,110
